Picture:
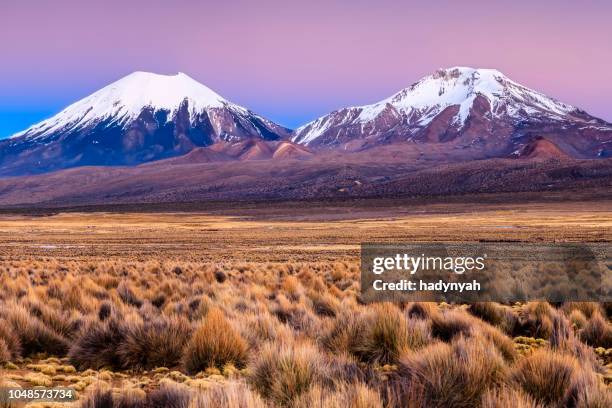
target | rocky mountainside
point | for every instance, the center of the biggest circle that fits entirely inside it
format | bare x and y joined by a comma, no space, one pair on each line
477,109
140,118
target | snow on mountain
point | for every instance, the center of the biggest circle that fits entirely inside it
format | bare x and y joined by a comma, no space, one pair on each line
125,99
139,118
415,107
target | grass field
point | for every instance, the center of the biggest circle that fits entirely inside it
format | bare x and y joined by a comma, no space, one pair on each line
263,309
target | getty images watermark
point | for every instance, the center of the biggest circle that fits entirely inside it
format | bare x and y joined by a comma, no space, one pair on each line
502,272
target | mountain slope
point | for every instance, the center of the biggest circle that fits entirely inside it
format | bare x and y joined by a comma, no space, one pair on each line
139,118
327,176
472,108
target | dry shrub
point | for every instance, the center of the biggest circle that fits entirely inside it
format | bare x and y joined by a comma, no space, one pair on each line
345,368
97,345
296,315
233,394
450,324
283,373
547,376
597,332
105,398
505,397
292,287
500,316
378,336
262,327
34,336
169,396
127,295
323,304
5,354
60,322
502,343
104,311
577,319
8,335
586,308
155,343
422,310
450,375
587,391
99,399
384,336
215,343
536,320
355,395
74,299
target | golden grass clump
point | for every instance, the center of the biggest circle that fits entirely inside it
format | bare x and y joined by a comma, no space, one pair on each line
214,343
5,354
505,397
597,332
354,395
498,315
34,336
233,394
283,373
378,336
450,375
547,376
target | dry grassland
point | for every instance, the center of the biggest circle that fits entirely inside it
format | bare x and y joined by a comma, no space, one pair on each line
207,310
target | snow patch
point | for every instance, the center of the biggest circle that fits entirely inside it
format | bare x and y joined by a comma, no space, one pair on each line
123,100
424,100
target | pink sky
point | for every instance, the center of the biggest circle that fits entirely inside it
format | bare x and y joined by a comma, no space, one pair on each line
293,61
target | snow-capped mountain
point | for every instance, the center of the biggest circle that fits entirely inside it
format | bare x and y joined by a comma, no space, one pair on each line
141,117
470,107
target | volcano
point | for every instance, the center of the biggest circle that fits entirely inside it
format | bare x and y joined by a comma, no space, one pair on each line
477,110
139,118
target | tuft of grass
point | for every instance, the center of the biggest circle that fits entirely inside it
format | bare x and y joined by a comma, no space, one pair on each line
537,320
450,375
169,396
450,324
128,295
10,338
597,332
422,310
505,397
34,336
587,391
233,394
5,354
283,373
97,345
155,343
378,336
547,376
355,395
586,308
105,398
104,311
215,343
497,315
384,336
577,319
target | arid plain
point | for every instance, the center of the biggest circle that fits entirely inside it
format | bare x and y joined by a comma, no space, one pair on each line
260,307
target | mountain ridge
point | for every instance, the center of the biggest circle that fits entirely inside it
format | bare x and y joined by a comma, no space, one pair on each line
467,113
466,105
